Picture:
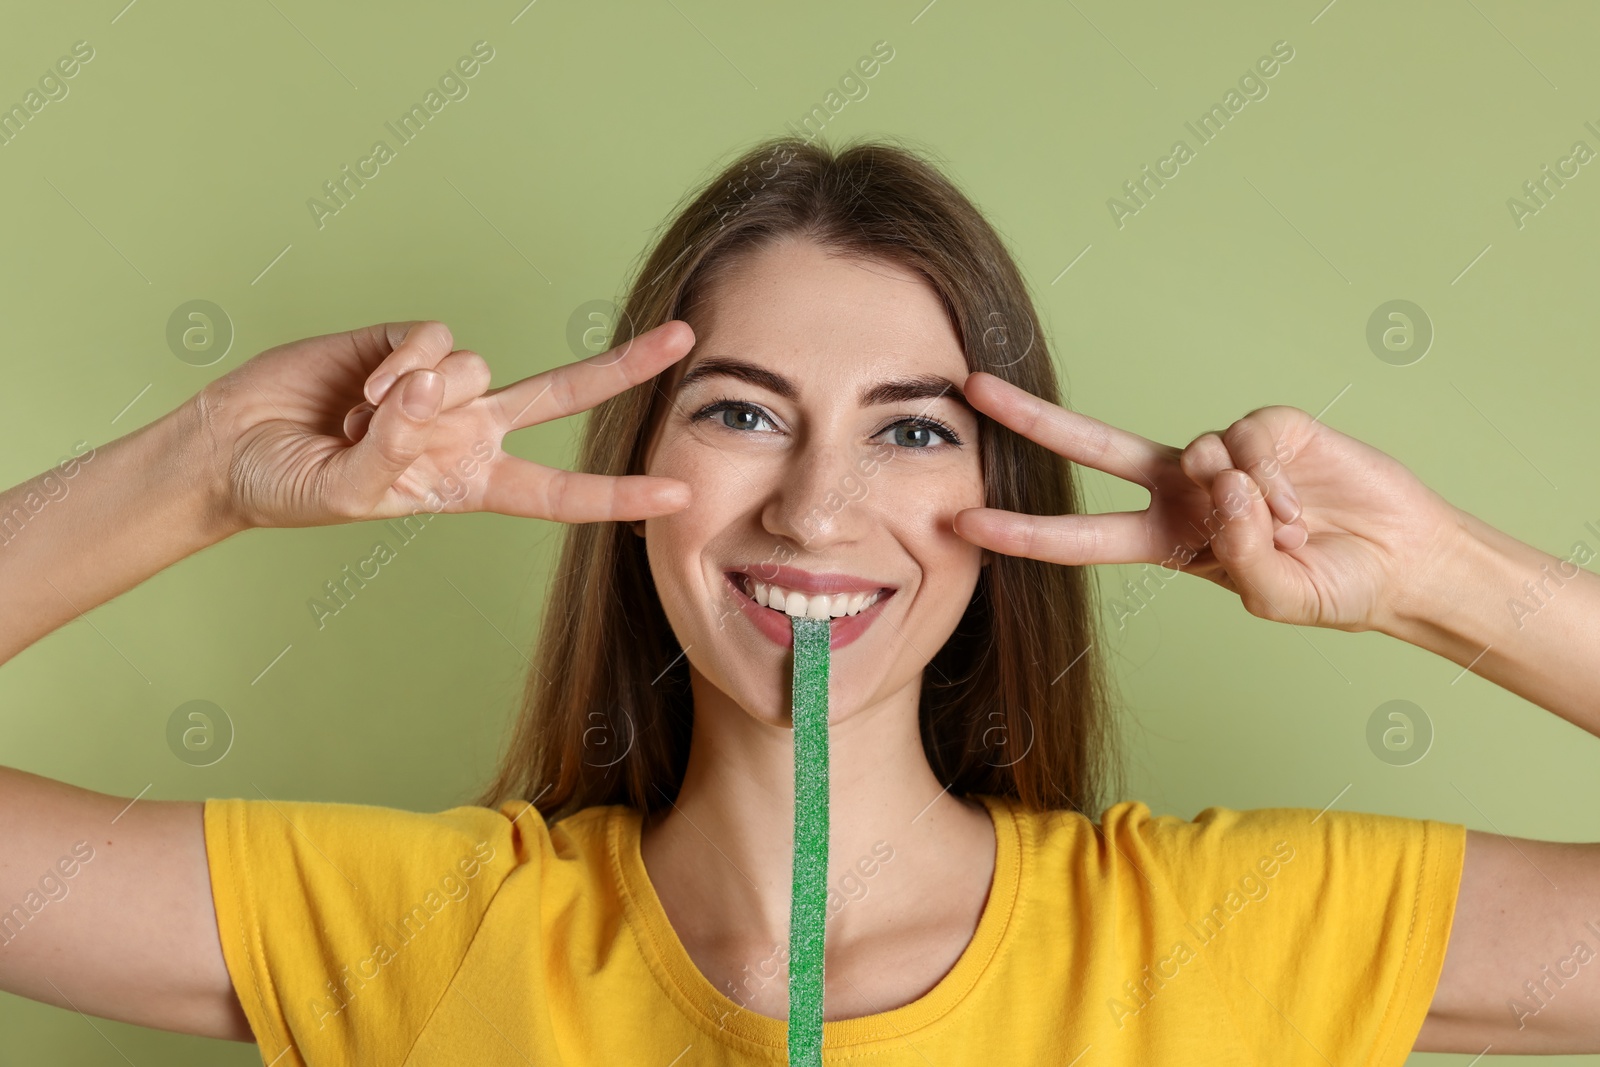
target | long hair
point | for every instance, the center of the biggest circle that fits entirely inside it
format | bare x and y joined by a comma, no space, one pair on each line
1016,701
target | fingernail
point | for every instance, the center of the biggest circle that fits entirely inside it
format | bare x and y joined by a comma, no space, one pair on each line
424,392
357,421
1291,537
379,386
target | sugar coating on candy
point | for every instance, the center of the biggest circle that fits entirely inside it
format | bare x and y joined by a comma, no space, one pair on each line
808,909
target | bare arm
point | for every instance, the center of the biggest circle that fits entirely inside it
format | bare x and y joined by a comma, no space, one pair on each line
1524,619
107,908
1312,527
87,531
1522,970
105,904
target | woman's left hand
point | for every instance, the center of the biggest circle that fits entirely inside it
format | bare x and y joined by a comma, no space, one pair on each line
1306,524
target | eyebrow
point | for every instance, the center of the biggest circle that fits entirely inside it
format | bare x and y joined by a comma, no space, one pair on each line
890,391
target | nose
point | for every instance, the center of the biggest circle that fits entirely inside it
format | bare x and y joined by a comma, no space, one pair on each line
821,498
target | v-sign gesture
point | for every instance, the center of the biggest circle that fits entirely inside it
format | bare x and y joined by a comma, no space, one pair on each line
1306,524
296,445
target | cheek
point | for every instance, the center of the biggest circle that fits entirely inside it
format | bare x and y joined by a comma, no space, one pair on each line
924,504
923,509
685,456
677,543
717,491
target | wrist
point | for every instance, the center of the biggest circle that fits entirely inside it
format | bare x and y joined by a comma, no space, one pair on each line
1453,601
1518,616
201,453
136,505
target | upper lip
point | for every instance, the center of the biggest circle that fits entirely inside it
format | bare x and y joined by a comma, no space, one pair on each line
801,581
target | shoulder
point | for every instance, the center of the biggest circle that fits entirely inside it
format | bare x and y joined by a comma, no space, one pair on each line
1223,847
389,900
1285,929
512,835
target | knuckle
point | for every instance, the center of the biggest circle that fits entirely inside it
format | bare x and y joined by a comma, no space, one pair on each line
555,494
1014,535
393,333
475,368
1240,433
1027,538
432,334
1263,468
562,392
1249,443
1083,539
1197,459
1097,440
379,335
1032,411
1205,450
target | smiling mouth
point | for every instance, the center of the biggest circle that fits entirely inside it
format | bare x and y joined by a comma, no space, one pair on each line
804,605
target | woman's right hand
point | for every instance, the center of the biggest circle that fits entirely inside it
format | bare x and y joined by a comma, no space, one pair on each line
388,420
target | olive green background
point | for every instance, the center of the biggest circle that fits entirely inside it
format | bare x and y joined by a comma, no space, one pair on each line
1378,167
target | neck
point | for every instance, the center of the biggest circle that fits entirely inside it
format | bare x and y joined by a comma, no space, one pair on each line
726,841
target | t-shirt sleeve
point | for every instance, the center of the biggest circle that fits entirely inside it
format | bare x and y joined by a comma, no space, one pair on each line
1324,932
343,924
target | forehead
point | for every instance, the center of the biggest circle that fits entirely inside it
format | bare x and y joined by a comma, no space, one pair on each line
823,317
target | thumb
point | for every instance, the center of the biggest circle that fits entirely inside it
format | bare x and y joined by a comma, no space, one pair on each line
1245,547
399,431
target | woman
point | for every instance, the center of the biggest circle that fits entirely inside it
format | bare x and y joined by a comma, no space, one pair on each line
837,397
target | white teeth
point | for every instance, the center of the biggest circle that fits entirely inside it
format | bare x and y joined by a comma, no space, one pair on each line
821,606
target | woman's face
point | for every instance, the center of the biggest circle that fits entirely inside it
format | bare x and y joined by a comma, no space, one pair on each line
815,421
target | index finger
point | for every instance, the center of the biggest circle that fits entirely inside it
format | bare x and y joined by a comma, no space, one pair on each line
578,386
1078,437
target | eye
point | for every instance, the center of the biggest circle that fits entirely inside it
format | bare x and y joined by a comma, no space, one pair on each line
735,414
919,432
916,433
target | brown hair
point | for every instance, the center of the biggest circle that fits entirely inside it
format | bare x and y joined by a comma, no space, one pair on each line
1015,703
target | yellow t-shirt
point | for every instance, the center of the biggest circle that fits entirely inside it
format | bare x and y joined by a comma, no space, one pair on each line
365,935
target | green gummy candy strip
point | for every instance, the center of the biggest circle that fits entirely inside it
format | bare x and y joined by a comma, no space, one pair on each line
808,908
